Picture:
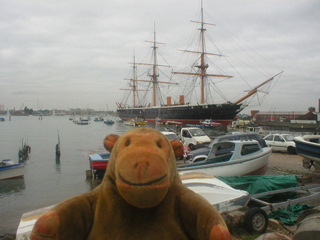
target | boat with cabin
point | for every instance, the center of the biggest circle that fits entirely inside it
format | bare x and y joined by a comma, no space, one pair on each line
231,158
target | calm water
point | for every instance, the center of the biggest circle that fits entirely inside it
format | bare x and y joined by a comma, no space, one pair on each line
46,181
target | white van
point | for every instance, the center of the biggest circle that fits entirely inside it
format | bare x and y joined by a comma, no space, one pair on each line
194,137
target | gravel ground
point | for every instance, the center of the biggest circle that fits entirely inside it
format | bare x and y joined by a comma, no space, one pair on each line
283,163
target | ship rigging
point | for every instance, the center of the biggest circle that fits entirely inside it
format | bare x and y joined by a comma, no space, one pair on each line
181,111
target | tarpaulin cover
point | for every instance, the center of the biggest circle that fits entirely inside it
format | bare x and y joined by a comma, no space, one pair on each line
289,214
265,183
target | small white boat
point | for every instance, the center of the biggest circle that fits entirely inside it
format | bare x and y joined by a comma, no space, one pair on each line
308,146
27,221
84,121
131,122
208,123
219,194
231,158
10,170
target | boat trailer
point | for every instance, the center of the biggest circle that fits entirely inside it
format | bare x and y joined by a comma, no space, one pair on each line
255,219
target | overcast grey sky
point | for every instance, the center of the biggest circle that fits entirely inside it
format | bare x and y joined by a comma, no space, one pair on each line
73,53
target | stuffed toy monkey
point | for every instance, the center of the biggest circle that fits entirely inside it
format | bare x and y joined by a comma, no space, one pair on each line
141,197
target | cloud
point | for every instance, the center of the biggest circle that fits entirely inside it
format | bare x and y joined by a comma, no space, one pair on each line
76,53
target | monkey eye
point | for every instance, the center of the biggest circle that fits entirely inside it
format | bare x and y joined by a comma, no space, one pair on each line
159,144
127,143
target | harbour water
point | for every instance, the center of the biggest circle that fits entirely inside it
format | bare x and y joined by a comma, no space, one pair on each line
47,181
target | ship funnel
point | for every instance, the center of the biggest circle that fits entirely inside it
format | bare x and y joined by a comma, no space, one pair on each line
182,99
168,101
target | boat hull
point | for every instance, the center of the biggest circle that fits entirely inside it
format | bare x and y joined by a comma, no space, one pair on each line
99,162
256,165
12,171
186,114
218,193
308,147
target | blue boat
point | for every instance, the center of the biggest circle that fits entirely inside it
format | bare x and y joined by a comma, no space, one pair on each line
308,146
10,170
109,122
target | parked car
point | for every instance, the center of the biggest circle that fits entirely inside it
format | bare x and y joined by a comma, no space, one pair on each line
281,142
229,137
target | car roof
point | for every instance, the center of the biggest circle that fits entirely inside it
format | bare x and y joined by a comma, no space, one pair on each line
167,133
278,134
237,135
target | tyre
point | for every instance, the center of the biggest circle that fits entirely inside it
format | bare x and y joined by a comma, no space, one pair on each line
191,147
291,150
256,220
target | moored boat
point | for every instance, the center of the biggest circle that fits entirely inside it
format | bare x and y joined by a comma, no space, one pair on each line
208,123
140,121
98,163
131,122
109,122
98,119
231,158
82,121
10,170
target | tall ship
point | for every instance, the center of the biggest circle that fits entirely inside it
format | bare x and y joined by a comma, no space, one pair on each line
182,110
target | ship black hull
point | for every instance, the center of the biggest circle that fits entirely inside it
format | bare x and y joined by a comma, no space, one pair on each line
186,114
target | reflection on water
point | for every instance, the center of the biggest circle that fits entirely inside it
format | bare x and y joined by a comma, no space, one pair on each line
58,166
11,186
93,182
47,180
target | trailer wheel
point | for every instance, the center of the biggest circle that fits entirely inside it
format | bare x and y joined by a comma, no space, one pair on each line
256,220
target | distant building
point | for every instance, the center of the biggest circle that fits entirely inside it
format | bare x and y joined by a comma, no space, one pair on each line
82,112
274,116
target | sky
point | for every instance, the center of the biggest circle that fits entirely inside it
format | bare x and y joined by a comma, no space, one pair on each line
76,53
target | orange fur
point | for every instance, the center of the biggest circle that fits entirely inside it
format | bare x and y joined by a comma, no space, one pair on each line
141,197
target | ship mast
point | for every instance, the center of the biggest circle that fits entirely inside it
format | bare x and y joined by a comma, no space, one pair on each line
154,76
134,82
134,85
203,65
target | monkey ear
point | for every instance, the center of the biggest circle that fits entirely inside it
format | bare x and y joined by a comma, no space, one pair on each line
109,141
177,148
